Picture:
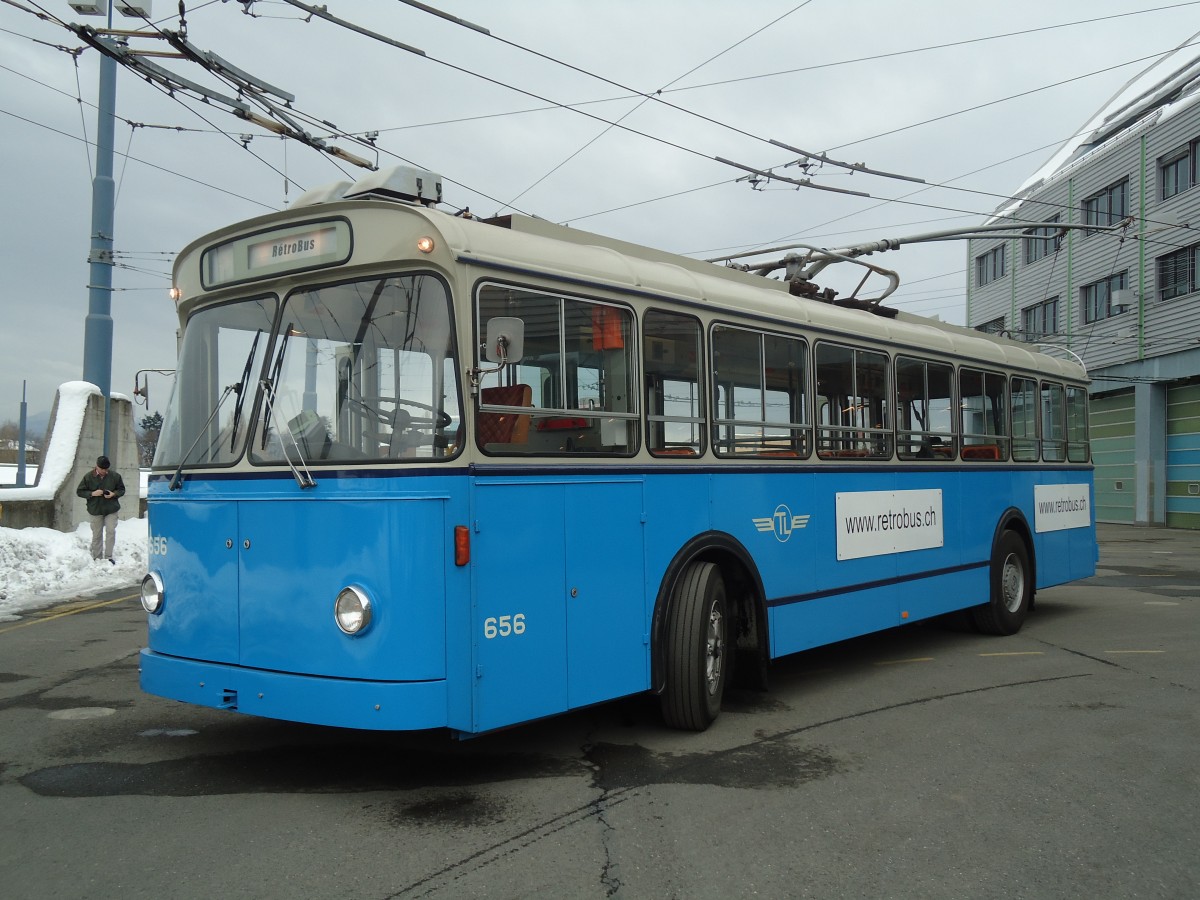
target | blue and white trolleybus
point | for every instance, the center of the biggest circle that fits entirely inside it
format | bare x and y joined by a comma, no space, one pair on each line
424,471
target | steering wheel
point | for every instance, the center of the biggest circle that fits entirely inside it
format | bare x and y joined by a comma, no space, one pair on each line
396,420
442,418
367,411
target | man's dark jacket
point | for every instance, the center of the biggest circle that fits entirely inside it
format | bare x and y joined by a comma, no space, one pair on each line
101,506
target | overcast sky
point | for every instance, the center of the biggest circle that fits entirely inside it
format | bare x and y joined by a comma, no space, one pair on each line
854,78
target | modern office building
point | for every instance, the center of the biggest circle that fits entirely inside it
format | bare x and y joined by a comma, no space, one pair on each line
1124,299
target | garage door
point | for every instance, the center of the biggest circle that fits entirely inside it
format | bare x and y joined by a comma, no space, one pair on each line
1183,455
1111,428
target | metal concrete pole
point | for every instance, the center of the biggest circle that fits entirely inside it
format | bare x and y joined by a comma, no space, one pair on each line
21,441
98,327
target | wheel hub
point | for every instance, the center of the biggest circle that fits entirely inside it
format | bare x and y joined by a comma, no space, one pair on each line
1012,582
714,652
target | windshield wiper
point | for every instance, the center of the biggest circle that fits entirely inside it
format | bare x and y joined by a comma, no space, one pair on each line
240,387
302,475
269,384
175,479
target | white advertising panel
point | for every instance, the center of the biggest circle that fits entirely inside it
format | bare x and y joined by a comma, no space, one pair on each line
875,523
1060,506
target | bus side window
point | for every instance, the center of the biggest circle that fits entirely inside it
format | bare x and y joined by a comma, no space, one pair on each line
1054,423
982,414
577,367
1024,408
760,389
674,384
1077,424
854,398
924,400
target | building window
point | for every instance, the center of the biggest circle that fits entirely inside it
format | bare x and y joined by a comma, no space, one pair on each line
1097,297
1177,273
1042,241
989,266
1175,172
996,326
1108,207
1040,320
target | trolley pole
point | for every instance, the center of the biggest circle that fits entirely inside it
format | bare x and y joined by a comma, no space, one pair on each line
98,326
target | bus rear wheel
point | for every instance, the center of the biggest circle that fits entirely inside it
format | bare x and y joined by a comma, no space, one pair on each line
696,651
1011,588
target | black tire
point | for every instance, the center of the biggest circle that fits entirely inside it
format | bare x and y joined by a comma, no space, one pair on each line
696,649
1011,588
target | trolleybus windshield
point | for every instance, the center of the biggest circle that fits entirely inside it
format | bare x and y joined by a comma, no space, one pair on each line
358,371
219,361
362,371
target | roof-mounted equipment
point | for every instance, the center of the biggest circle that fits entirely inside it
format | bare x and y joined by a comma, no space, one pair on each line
399,183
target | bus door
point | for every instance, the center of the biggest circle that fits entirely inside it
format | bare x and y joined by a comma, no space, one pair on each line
559,613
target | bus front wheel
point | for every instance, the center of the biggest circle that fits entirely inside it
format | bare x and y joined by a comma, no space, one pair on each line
696,649
1011,588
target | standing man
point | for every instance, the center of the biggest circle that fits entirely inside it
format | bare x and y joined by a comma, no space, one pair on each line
103,490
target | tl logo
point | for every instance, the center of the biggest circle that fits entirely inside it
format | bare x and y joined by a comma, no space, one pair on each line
782,523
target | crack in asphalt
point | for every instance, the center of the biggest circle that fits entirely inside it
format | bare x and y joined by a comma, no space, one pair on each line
448,875
1116,665
597,809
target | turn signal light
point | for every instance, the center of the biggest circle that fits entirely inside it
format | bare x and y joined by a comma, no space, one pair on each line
462,545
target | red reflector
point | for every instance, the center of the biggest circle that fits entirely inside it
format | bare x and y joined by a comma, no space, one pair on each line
462,545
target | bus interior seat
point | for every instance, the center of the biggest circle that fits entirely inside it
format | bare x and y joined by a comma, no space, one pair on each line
562,423
398,442
981,451
849,453
504,427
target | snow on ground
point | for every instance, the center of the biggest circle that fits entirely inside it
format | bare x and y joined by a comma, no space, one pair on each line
40,565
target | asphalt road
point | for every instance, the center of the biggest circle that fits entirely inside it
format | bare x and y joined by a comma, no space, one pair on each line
1061,762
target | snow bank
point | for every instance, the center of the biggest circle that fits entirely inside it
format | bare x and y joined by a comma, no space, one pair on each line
60,454
39,566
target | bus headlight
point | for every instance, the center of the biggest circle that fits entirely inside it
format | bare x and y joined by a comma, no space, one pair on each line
352,610
152,593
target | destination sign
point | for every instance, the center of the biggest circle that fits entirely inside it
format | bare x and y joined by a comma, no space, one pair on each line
307,246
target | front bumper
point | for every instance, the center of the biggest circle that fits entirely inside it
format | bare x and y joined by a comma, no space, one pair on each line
345,703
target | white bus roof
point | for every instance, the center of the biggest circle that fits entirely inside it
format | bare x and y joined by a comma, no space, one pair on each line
522,244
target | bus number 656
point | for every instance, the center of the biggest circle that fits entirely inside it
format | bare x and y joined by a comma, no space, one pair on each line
503,626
